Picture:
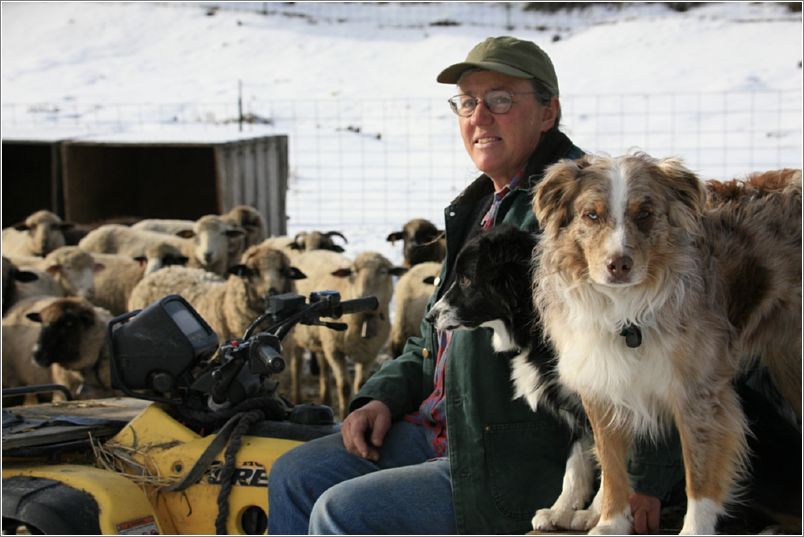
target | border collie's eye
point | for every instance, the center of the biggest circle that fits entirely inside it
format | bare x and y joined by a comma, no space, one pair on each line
590,215
464,281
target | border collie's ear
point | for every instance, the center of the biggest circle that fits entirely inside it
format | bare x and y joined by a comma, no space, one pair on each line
554,194
689,194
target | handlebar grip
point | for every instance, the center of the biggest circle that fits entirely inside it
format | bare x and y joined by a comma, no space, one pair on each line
358,305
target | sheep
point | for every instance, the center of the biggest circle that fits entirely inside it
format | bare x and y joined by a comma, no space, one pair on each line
208,249
25,364
366,333
73,338
411,294
250,220
74,234
170,226
306,241
66,271
114,284
423,241
13,279
316,265
230,305
41,233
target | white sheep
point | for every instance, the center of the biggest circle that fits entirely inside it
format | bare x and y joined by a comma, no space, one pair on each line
170,226
230,305
41,233
411,294
366,333
64,354
422,241
70,268
114,284
316,265
206,245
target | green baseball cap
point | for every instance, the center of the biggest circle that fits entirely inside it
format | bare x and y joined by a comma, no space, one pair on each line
509,56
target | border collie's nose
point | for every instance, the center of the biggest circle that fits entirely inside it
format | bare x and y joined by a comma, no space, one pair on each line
619,266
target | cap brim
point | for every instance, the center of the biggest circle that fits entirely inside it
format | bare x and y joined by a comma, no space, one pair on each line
451,74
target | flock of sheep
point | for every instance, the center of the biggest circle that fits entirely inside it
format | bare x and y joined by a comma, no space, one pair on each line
62,284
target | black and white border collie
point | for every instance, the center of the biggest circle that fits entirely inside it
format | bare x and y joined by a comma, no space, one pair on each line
493,289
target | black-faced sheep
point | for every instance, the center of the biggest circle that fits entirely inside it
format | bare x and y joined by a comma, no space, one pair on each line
41,233
366,333
56,340
422,241
411,294
230,305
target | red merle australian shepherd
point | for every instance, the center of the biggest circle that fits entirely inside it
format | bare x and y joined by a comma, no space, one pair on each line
654,295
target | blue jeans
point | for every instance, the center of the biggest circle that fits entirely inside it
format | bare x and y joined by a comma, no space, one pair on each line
322,489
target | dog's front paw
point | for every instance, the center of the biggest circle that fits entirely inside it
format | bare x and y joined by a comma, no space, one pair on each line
584,519
618,525
550,519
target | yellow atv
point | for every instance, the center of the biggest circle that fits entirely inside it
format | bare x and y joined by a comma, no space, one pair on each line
188,450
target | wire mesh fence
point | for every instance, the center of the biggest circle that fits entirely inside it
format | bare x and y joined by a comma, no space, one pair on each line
376,162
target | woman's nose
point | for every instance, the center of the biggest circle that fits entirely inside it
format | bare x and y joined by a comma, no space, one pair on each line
481,114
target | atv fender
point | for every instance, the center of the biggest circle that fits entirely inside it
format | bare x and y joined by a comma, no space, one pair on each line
76,500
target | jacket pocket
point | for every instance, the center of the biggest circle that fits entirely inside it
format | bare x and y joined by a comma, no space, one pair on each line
525,463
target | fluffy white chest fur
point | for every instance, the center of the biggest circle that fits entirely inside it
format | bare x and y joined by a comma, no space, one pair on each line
637,381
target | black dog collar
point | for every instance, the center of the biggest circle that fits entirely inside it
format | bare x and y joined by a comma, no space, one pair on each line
632,335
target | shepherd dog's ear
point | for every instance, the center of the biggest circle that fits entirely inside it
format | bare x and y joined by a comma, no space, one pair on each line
554,194
688,194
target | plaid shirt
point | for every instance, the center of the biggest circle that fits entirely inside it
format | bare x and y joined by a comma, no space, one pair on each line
432,412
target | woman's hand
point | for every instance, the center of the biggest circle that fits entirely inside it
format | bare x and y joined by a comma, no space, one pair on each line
375,418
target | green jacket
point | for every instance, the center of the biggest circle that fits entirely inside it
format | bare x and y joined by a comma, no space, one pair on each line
506,461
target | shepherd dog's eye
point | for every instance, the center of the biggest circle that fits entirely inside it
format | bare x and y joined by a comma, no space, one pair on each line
591,216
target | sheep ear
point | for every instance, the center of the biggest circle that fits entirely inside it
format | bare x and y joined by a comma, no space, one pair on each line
395,236
295,246
430,280
186,234
22,226
34,316
25,276
296,274
142,260
342,272
97,267
180,260
54,269
398,271
240,270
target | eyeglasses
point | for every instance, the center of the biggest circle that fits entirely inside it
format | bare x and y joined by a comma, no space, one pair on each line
497,101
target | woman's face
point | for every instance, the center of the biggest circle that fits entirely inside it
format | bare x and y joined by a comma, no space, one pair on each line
500,144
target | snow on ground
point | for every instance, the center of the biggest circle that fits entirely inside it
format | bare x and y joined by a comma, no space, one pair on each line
372,141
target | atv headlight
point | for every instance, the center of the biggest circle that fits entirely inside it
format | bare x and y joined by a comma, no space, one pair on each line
155,348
